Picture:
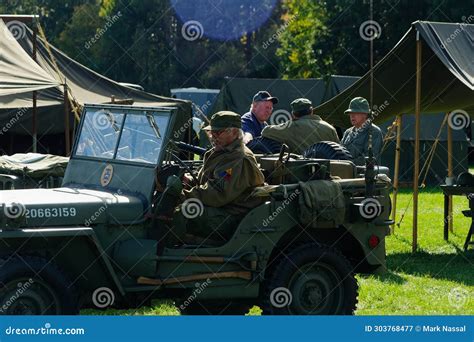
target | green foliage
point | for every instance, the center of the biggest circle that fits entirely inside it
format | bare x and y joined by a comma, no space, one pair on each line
78,37
301,39
303,23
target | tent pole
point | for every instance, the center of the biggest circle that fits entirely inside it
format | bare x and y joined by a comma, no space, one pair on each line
66,121
417,142
450,174
35,96
34,128
397,170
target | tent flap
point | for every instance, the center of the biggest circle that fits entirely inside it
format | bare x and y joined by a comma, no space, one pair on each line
18,71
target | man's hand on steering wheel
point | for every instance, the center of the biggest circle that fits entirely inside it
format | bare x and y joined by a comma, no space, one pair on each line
188,181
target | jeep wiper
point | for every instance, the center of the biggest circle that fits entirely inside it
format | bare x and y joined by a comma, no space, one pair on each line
112,121
156,129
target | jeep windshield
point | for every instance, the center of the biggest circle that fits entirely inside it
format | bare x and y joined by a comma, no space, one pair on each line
128,136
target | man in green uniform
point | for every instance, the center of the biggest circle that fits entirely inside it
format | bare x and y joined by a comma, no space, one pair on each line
226,180
356,138
304,130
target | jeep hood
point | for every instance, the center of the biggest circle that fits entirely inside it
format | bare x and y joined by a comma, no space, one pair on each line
68,206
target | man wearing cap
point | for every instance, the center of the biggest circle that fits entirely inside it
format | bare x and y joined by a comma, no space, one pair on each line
304,130
227,178
356,138
255,120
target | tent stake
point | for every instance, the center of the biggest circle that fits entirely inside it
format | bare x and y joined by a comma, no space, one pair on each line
417,142
396,171
450,174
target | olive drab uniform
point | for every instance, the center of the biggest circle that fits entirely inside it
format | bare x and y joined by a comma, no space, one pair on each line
301,133
226,180
356,140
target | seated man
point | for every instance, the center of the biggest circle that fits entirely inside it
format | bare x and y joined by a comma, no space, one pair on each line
356,138
255,120
226,180
304,130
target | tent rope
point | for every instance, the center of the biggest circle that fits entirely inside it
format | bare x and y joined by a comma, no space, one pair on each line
404,212
429,160
73,103
389,136
426,166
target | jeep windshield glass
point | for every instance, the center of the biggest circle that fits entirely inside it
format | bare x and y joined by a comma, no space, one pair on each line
141,139
100,133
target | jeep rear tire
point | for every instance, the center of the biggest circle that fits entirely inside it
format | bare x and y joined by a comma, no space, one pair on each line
311,279
35,286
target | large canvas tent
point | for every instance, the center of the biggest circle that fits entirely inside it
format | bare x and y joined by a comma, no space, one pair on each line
236,94
21,76
447,81
430,69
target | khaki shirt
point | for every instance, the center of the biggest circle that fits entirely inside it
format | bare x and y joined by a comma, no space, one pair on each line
301,133
356,140
227,178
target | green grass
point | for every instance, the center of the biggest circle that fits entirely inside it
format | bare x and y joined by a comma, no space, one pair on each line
436,280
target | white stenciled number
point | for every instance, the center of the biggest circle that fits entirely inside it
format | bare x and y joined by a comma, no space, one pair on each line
65,212
50,212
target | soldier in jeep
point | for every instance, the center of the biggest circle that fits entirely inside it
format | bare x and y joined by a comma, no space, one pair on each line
225,182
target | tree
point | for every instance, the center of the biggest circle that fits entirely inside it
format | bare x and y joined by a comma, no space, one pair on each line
303,22
80,38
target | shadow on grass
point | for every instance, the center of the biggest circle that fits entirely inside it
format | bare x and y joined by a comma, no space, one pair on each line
389,277
458,267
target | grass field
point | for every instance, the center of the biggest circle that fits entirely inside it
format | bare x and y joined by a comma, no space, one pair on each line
437,280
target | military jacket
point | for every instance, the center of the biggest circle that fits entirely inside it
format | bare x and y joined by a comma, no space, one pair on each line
356,140
301,133
227,178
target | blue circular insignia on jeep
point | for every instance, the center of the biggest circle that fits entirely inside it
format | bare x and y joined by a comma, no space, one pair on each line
107,174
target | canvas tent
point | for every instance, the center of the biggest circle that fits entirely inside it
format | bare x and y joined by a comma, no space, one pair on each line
436,173
430,69
236,94
447,81
20,76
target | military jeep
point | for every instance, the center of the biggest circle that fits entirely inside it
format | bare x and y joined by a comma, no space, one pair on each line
99,240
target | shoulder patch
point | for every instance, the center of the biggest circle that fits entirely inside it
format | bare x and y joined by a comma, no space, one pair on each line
226,174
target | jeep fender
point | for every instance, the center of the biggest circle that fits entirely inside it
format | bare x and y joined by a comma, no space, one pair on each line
76,250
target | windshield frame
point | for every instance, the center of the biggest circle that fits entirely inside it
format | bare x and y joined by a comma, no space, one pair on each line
162,111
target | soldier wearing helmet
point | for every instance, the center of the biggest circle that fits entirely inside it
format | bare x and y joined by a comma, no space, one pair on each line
356,138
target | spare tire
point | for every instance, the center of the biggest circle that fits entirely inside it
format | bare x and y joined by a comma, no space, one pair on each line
327,150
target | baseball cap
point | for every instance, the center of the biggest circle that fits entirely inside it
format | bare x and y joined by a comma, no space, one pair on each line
263,95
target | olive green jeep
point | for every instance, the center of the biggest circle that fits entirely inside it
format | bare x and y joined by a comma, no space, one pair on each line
100,240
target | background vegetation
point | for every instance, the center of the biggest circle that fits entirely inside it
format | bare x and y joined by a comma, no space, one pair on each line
145,46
